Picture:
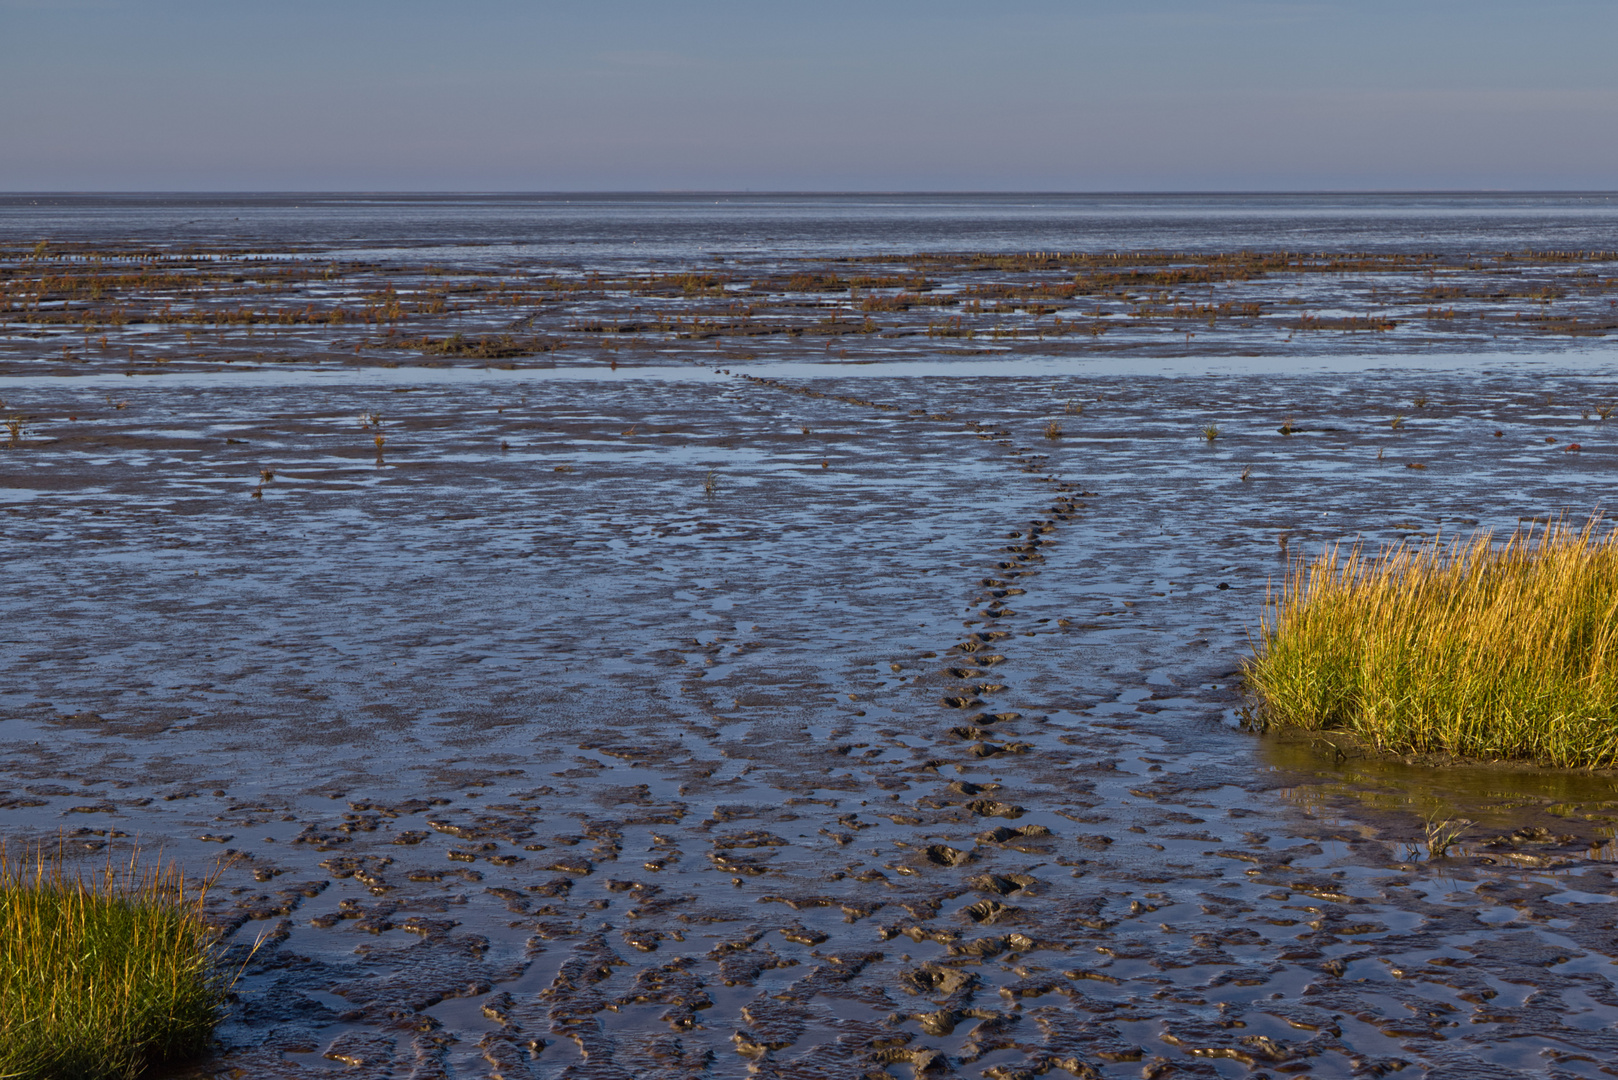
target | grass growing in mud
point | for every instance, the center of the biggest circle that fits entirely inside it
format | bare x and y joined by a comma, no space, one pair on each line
1472,648
102,976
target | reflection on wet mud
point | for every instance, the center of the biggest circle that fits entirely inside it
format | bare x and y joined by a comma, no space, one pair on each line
1504,813
774,722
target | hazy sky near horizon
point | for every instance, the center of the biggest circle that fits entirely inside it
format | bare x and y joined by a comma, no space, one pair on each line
1053,95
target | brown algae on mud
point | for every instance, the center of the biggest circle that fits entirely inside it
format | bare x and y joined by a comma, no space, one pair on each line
144,307
598,773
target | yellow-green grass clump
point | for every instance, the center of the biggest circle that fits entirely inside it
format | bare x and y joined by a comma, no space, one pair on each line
101,976
1471,648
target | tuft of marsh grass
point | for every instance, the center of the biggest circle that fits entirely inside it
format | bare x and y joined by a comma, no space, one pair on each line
1441,834
710,484
102,976
1053,430
1210,432
1470,648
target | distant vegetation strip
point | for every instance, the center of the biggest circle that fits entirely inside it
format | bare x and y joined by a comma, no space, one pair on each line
75,303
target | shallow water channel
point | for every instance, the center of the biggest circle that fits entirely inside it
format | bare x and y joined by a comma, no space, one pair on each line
817,720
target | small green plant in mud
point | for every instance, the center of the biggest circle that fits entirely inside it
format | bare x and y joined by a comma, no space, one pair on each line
1210,432
710,484
102,976
1604,411
1397,422
14,431
1053,430
1441,834
1074,407
1471,648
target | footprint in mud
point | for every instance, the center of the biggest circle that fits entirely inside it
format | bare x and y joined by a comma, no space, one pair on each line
944,855
996,808
1004,884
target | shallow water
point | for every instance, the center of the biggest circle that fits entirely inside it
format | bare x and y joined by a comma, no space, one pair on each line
911,746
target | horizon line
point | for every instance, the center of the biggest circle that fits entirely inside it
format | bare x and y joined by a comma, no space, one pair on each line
781,192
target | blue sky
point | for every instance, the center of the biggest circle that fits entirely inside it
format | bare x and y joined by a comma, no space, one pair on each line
1150,95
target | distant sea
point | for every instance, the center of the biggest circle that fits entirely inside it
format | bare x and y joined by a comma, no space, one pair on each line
609,228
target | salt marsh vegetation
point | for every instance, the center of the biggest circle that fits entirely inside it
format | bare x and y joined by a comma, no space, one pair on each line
1495,651
105,974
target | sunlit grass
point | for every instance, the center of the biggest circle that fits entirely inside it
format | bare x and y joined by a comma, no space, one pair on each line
102,975
1468,648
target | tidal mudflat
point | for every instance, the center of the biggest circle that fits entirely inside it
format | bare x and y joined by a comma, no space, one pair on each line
726,705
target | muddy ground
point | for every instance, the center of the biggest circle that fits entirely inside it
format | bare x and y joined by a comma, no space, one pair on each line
789,718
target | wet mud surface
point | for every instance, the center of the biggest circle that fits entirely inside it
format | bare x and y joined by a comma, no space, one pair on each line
766,718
